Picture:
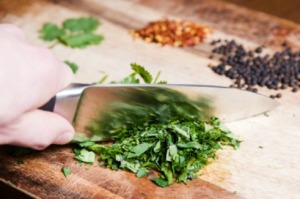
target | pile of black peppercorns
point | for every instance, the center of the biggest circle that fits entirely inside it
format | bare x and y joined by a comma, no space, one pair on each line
250,69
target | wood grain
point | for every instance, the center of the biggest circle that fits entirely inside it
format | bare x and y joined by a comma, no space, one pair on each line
250,172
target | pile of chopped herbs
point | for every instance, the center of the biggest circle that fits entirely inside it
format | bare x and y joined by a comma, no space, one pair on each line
74,33
158,130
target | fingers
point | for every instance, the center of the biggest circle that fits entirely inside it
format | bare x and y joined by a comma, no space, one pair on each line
37,129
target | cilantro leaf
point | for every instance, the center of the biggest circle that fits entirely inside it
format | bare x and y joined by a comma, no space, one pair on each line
85,156
75,33
131,79
84,24
139,150
142,172
160,182
140,70
66,171
81,40
157,129
50,32
74,67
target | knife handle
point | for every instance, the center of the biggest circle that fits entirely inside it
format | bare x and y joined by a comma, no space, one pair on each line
66,101
49,106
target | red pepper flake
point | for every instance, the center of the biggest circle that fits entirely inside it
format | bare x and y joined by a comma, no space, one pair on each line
177,33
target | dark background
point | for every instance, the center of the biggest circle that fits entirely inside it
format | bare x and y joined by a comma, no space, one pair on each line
287,9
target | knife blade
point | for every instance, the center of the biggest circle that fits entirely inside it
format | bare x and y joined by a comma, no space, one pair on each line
81,103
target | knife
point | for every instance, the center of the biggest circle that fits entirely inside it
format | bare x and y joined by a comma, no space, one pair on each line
82,103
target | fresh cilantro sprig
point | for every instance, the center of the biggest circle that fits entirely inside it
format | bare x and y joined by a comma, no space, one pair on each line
75,33
139,75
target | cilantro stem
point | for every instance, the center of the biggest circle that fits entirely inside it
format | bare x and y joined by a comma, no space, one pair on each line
156,77
53,45
103,79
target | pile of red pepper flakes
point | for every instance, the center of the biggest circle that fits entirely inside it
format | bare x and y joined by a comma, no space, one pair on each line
177,33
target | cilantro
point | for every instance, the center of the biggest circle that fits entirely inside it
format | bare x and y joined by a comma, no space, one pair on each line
261,147
156,129
84,24
81,40
103,79
74,67
50,32
75,33
160,182
10,182
66,171
85,156
138,69
139,75
266,114
142,172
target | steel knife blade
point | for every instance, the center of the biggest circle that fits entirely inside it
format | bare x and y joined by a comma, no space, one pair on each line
81,103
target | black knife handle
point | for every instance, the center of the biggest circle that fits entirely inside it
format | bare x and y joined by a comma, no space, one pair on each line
49,106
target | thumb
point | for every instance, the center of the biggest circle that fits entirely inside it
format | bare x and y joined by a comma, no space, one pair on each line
38,129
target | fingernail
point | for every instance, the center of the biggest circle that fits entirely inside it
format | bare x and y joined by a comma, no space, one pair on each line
64,138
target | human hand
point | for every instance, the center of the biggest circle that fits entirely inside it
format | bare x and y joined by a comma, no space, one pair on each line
29,77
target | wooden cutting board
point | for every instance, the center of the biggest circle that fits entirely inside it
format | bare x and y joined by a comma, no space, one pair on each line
249,172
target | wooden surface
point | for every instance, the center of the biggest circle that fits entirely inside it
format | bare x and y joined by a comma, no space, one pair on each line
287,9
249,172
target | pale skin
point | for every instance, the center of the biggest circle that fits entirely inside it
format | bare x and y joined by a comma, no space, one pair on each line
29,76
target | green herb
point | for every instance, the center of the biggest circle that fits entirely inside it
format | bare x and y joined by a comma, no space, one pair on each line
74,67
157,129
266,114
66,171
81,40
84,155
50,32
75,33
261,147
139,75
142,172
138,69
9,182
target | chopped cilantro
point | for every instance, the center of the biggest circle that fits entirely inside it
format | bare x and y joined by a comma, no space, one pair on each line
66,171
261,147
266,114
156,129
142,172
86,156
9,182
74,67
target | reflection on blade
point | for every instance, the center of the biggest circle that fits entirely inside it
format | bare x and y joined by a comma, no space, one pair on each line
141,106
114,103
